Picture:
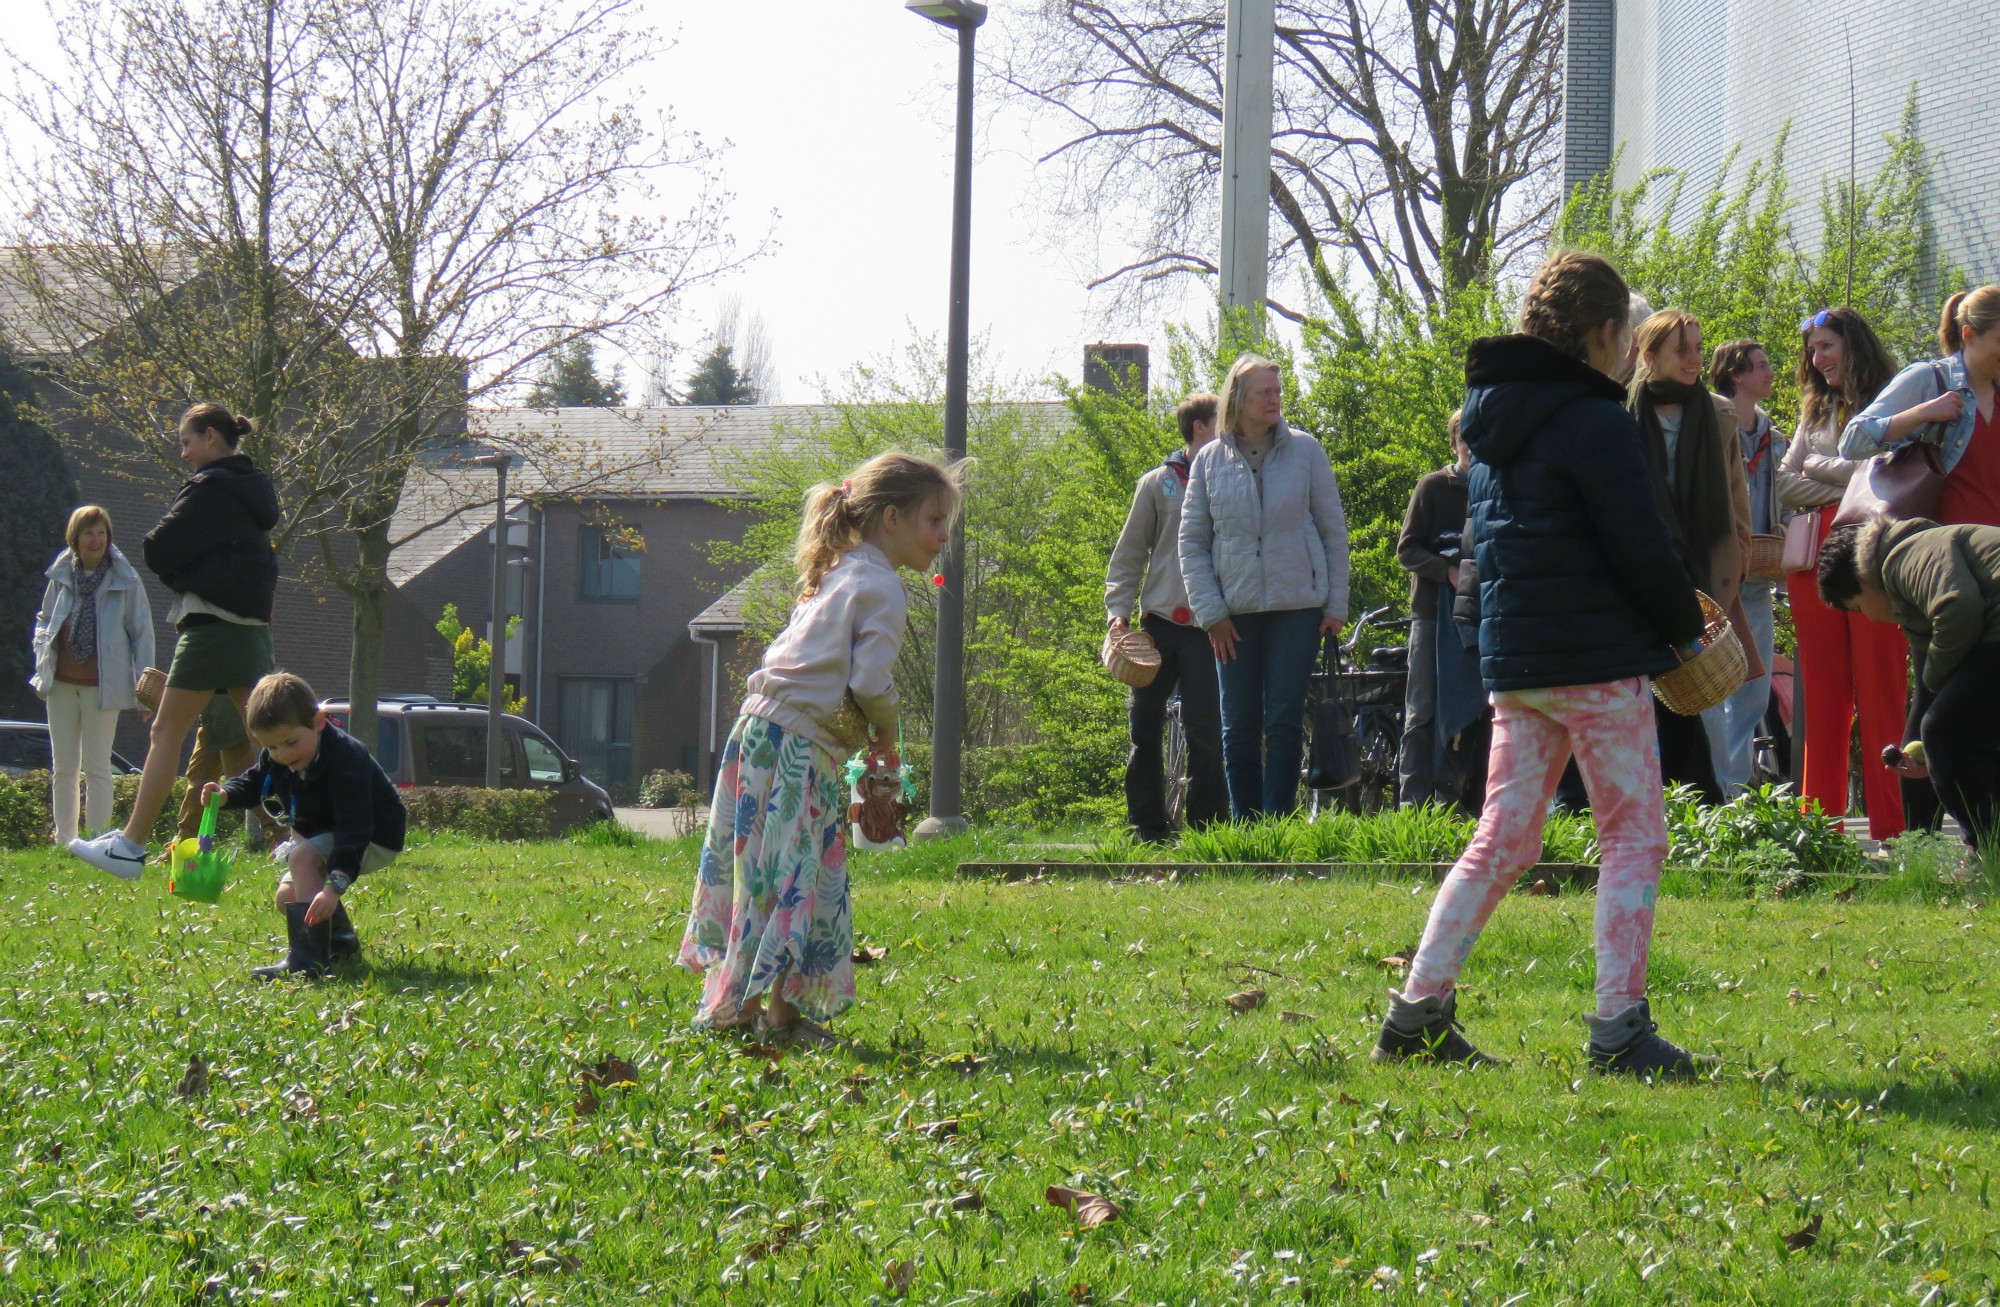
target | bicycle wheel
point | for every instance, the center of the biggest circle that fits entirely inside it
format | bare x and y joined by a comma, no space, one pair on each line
1176,764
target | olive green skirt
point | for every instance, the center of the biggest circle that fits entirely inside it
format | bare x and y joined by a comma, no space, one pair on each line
216,656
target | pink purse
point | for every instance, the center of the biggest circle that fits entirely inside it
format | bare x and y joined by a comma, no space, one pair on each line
1802,542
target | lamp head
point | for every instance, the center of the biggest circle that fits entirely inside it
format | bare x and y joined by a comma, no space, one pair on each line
950,13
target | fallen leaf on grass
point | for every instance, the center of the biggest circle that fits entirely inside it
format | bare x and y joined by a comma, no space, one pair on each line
898,1276
195,1083
768,1052
54,1152
1079,1293
1844,895
1542,889
1091,1210
1477,1245
586,1100
1478,1218
1801,1239
970,1201
938,1129
1248,1000
610,1071
1398,960
866,955
523,1258
967,1065
1296,1018
302,1106
1349,1099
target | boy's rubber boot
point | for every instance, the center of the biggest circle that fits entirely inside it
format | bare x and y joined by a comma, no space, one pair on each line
343,943
307,955
1629,1044
1425,1030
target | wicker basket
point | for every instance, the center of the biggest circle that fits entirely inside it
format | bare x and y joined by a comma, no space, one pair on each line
152,684
1131,657
1712,675
1767,557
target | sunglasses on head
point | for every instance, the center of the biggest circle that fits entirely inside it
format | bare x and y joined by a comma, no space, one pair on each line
1820,319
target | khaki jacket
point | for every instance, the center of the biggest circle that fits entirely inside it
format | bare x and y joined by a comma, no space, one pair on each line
1943,583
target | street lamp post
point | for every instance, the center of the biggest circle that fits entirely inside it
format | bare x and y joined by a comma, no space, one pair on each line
948,701
495,666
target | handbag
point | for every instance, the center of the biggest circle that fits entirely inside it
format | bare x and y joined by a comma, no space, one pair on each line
1901,483
1334,760
1802,542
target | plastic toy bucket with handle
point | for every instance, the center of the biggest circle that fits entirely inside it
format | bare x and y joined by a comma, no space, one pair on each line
198,869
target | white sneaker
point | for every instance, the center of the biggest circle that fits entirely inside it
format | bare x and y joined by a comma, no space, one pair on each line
112,852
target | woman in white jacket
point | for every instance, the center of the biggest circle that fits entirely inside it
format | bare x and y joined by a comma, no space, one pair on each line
93,636
1263,546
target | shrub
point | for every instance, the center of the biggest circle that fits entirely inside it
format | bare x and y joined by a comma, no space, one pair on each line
606,835
667,789
25,817
481,813
1761,831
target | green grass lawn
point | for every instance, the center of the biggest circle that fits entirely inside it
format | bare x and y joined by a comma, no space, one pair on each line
412,1132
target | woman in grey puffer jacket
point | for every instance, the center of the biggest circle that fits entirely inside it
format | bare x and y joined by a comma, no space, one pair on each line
1263,546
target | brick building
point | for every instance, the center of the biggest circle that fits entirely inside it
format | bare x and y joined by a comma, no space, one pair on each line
1681,84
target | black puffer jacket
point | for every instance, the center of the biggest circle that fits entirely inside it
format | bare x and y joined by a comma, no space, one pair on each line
215,541
1579,582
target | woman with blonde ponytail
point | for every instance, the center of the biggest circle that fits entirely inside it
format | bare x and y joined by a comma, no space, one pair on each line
770,930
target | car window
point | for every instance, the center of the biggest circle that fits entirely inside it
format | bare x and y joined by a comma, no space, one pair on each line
455,752
28,750
545,765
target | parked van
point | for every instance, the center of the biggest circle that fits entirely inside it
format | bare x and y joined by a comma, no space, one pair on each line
421,742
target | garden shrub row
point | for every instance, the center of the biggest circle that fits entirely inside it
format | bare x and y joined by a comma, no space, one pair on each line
26,823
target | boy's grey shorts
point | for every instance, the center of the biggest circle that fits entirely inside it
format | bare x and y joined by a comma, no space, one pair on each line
374,859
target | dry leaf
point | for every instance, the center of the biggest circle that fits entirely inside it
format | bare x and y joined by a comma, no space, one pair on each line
1079,1293
1802,1239
1844,895
54,1152
867,955
1398,960
768,1052
967,1065
586,1100
938,1129
1248,1000
1542,889
1478,1218
438,1300
1296,1018
302,1106
854,1094
970,1201
1477,1245
898,1276
195,1083
1091,1210
611,1071
1349,1099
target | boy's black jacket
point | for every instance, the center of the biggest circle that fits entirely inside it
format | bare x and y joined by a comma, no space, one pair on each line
343,790
215,541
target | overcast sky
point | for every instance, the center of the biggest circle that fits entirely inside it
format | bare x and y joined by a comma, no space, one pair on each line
840,117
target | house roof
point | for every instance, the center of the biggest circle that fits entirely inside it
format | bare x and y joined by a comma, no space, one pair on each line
671,452
725,615
75,277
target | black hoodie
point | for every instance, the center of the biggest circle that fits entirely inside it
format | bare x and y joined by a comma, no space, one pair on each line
1579,581
215,541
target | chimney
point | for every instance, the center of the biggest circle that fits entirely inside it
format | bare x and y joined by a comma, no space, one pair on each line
1118,369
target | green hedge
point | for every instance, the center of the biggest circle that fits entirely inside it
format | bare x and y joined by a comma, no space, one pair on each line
481,813
25,815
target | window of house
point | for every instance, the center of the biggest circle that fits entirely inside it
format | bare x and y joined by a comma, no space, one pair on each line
608,565
595,726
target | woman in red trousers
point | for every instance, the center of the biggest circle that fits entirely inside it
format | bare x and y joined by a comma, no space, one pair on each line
1847,664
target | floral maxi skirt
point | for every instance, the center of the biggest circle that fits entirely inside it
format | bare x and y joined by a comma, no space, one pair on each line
770,898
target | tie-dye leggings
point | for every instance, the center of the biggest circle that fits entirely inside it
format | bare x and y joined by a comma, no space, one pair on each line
1610,728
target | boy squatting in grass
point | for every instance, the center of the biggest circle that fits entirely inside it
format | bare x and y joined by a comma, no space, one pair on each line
770,929
345,816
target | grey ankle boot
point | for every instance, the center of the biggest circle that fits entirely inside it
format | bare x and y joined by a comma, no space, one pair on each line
1425,1030
1629,1044
306,953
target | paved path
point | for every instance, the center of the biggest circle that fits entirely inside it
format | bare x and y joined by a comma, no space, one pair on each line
659,823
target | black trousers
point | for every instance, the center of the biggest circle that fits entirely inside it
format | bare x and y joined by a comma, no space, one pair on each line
1961,735
1922,809
1187,666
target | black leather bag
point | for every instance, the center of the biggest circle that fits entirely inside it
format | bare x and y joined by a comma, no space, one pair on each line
1334,762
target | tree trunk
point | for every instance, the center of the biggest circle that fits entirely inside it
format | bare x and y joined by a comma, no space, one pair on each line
370,594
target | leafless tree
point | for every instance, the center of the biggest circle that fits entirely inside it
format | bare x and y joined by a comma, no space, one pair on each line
350,219
1413,141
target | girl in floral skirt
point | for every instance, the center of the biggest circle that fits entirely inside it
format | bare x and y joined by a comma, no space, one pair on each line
770,930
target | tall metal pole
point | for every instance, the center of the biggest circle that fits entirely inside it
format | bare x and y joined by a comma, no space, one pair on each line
496,667
948,697
1249,45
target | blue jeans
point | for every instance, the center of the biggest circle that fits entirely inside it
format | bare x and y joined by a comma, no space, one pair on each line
1732,724
1263,708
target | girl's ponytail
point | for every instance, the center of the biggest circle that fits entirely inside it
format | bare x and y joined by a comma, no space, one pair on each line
829,530
1951,336
1974,311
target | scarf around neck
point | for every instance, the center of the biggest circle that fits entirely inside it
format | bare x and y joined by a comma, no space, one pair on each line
1695,499
83,621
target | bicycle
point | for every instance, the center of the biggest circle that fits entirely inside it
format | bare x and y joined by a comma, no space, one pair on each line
1370,686
1176,764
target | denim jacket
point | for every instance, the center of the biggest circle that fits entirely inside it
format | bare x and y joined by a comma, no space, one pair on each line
1917,384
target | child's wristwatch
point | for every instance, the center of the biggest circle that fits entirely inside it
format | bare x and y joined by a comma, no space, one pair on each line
338,881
